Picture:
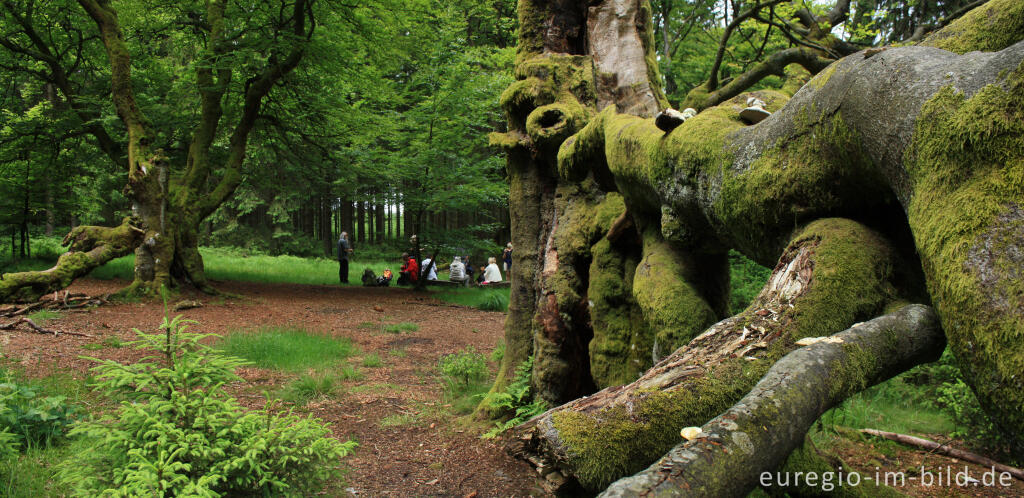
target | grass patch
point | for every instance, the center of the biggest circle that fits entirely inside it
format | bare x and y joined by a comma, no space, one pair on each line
44,316
348,372
232,264
372,360
487,299
398,328
466,379
32,474
366,325
398,353
112,342
399,420
289,349
309,387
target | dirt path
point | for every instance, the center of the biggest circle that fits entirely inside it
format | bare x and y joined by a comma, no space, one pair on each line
428,454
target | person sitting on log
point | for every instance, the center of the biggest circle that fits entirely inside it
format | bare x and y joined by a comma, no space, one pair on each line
492,273
409,273
457,270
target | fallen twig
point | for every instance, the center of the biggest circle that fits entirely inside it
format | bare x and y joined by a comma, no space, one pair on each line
946,450
36,328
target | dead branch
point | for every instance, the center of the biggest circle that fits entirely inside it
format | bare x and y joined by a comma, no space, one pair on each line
36,328
943,449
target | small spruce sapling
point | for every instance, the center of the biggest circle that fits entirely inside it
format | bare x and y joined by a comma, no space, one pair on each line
177,433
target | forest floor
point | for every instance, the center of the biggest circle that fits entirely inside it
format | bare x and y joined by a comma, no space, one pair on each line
410,442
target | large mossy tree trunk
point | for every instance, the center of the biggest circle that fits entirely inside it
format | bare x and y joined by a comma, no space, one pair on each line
168,208
892,177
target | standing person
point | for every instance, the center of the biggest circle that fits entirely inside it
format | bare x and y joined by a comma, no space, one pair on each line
344,249
506,256
469,268
492,273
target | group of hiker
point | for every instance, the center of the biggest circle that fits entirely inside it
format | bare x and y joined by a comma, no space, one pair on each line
460,270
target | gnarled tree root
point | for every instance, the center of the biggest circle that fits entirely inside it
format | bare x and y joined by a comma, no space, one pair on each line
834,273
758,433
89,247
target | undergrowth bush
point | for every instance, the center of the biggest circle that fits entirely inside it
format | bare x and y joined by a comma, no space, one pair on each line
32,421
464,367
516,400
179,434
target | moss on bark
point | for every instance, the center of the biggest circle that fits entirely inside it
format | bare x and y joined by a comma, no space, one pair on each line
967,168
835,273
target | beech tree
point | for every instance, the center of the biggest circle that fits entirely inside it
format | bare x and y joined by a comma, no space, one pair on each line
885,193
178,171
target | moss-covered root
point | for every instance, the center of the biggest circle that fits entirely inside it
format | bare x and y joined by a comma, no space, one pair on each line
758,433
664,288
834,273
89,247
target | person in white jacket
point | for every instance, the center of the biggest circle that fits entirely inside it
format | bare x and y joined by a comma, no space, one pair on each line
492,273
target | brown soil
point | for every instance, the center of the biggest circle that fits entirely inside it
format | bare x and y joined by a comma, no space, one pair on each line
429,453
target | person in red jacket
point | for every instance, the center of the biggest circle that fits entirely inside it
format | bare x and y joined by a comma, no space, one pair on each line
410,270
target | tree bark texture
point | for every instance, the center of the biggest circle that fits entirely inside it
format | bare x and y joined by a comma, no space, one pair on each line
894,173
763,428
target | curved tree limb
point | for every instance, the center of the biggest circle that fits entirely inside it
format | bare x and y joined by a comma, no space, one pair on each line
757,434
90,247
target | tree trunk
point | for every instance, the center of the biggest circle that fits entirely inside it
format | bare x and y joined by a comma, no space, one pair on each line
877,138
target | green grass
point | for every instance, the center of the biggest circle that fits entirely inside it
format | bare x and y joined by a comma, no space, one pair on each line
398,353
399,420
495,299
746,279
289,349
366,325
33,473
309,387
897,405
107,342
372,360
44,316
230,264
398,328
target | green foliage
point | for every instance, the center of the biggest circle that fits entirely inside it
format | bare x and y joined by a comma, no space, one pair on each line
746,280
499,352
286,348
466,379
463,367
179,434
28,420
517,400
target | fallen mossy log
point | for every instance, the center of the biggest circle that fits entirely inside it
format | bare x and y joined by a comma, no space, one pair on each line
834,273
88,247
757,434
